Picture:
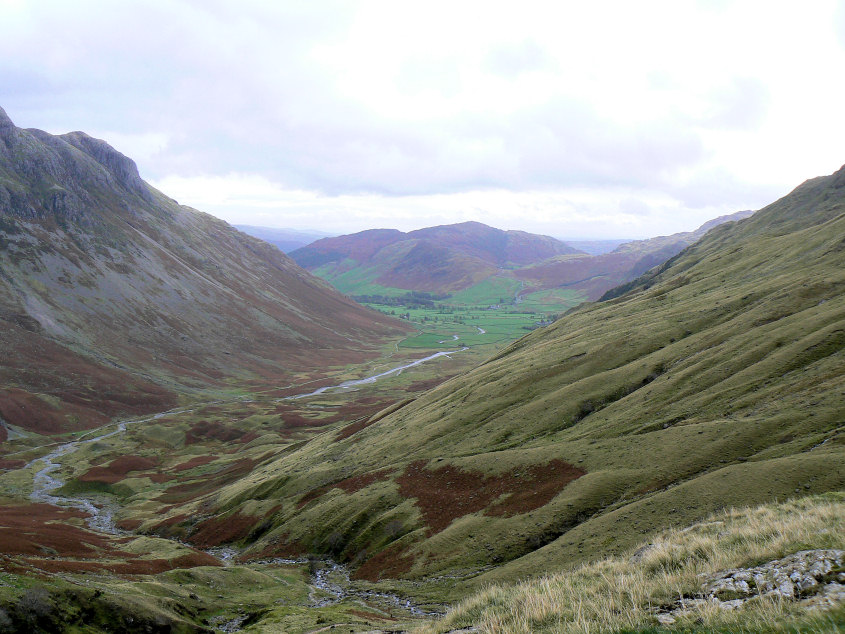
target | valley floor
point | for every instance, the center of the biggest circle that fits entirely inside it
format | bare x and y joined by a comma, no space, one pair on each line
121,529
83,542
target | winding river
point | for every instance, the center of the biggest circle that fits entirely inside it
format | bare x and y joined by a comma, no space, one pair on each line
332,578
375,377
44,483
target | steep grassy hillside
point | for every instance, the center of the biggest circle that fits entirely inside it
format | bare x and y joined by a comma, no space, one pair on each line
594,275
671,580
114,299
718,380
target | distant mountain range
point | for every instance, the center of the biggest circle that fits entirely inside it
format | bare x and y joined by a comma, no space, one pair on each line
114,299
285,239
451,258
439,259
595,247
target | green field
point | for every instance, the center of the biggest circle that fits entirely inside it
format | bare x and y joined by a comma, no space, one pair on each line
485,314
492,313
355,281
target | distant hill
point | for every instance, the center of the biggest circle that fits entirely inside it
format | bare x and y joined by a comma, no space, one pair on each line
116,300
286,240
454,258
439,259
715,381
594,275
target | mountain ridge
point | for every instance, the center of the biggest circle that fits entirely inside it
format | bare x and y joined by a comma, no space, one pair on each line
461,255
107,273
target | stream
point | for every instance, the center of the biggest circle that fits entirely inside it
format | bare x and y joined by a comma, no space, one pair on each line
44,483
332,578
375,377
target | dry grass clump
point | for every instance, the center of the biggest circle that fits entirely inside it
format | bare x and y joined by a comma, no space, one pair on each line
623,594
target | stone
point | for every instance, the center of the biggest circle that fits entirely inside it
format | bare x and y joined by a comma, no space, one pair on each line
807,572
665,619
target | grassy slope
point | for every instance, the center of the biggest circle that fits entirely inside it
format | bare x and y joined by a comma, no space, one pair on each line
623,593
716,382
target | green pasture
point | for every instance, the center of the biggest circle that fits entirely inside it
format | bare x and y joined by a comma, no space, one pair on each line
473,327
477,317
493,290
555,300
356,281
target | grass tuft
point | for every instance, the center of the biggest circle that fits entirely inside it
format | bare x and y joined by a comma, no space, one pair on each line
623,594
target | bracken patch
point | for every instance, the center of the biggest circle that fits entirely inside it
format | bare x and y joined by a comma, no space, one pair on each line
32,528
391,563
130,568
356,483
349,485
206,430
447,493
282,546
221,530
196,461
118,469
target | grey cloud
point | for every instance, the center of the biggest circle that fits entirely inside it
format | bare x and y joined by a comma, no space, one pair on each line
742,104
634,207
236,90
514,59
345,149
712,184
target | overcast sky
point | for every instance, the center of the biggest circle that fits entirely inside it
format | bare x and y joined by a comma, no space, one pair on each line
574,119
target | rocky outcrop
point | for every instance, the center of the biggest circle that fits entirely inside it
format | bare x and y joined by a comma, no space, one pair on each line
6,124
61,176
816,577
121,167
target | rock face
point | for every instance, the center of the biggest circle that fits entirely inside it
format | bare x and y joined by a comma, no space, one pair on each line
815,576
114,299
